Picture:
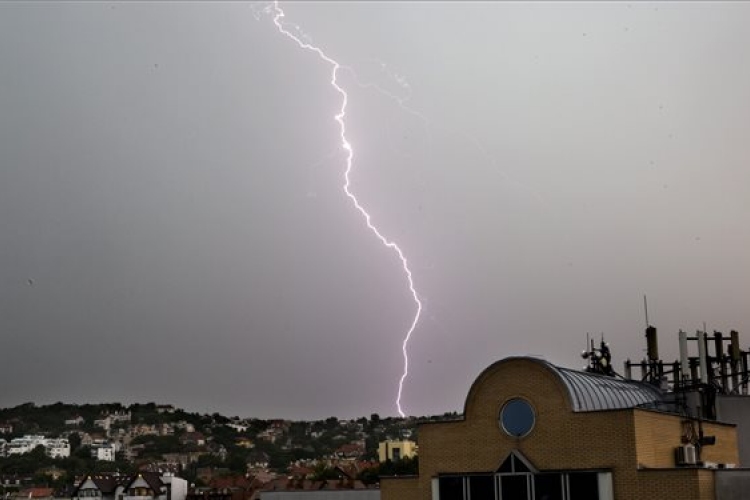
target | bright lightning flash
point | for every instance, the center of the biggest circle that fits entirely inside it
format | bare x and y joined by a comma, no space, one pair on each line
278,16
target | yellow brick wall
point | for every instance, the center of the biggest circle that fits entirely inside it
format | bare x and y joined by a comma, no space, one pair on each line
399,488
561,438
685,484
658,434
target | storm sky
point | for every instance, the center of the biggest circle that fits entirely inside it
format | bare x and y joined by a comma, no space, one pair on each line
173,226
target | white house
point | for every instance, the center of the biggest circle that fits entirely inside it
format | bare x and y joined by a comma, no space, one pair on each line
142,486
25,444
238,427
103,451
57,448
104,423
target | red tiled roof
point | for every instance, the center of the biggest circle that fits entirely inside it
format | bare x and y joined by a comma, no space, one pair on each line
38,492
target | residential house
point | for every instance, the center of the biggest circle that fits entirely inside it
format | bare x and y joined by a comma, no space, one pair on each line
55,448
100,486
15,480
186,426
25,444
52,472
305,489
184,458
104,423
120,417
141,486
161,467
6,428
75,421
238,427
144,430
166,429
193,439
258,460
352,450
208,494
239,487
35,493
268,435
245,443
104,451
207,474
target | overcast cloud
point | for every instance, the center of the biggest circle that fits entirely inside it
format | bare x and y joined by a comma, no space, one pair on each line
173,229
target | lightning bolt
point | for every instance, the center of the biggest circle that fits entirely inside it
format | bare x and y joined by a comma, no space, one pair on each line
278,15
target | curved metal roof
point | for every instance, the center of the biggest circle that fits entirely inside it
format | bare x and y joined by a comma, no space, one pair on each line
594,392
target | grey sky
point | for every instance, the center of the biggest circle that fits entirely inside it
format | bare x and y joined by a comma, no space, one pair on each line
173,229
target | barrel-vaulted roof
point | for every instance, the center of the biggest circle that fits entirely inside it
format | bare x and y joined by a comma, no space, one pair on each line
586,392
595,392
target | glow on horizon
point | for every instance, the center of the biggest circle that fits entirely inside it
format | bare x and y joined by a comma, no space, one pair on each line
279,14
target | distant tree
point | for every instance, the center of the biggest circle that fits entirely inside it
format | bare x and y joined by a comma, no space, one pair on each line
237,463
40,479
220,419
75,441
279,460
369,476
83,452
332,422
322,472
38,454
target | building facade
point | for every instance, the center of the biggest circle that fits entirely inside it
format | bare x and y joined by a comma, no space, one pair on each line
532,430
55,448
396,450
142,486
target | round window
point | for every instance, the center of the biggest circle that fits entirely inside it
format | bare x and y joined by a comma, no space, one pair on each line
517,417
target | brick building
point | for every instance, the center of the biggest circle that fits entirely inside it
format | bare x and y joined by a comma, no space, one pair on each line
532,430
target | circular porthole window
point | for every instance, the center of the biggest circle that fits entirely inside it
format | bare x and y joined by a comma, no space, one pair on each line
517,417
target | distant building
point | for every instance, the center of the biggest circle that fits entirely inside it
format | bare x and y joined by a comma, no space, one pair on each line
35,493
122,417
305,489
75,421
352,450
396,450
193,439
53,472
103,451
239,427
55,448
141,486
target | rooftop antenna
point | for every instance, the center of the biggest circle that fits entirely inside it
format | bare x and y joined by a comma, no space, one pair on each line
652,346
